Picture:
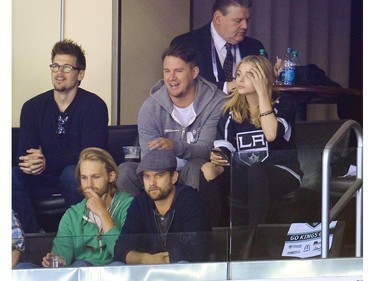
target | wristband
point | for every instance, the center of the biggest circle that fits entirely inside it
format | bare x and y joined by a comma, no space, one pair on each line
266,113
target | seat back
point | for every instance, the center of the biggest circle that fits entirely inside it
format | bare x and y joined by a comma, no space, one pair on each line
119,136
37,245
311,138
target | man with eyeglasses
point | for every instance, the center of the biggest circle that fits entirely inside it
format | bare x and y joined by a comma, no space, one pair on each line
55,127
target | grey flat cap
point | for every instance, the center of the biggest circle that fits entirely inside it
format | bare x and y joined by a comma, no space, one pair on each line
158,160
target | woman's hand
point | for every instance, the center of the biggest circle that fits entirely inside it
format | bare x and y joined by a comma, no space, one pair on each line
218,157
259,80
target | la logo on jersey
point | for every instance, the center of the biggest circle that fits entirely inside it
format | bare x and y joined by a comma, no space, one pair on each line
252,147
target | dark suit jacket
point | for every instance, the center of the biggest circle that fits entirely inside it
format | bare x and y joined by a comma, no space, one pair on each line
200,40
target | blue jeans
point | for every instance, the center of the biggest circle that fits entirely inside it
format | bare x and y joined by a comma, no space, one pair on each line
27,187
26,265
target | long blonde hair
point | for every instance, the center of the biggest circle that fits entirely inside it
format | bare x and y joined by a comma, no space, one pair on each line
238,104
102,156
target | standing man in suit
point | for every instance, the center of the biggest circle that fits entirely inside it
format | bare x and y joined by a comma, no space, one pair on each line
229,25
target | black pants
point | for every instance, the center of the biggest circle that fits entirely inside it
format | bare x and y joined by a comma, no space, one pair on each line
244,194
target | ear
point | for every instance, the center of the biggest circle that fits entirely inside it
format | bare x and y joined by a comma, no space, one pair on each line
112,176
174,177
81,74
217,17
195,71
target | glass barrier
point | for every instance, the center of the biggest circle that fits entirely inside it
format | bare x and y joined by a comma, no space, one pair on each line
241,240
288,226
344,269
212,246
230,249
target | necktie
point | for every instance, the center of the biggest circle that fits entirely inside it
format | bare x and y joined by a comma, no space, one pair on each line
228,63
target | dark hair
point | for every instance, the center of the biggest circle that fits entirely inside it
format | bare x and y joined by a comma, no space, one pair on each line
183,52
222,5
69,47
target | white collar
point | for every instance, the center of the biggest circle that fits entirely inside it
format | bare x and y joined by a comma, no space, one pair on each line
219,42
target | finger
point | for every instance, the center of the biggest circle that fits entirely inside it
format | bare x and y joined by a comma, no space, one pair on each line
37,171
91,192
260,70
34,151
24,165
215,156
220,162
25,170
45,261
36,167
254,73
165,144
153,145
23,158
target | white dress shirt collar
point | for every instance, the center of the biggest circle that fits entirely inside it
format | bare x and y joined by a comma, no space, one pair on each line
219,42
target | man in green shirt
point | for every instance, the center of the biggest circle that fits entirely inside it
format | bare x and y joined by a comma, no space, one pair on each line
88,231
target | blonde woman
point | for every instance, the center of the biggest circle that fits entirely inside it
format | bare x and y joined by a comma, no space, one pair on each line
259,129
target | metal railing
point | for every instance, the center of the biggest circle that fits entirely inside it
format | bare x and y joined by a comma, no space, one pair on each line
356,187
62,19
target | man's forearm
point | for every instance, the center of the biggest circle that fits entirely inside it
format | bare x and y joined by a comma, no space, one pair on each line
134,257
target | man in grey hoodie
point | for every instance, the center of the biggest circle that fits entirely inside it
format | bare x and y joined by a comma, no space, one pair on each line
181,114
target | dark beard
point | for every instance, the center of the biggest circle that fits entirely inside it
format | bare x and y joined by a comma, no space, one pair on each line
162,194
62,89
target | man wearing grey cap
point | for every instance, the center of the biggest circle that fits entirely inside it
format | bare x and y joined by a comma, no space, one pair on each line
171,216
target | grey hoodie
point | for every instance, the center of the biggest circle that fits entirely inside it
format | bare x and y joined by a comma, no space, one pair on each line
155,119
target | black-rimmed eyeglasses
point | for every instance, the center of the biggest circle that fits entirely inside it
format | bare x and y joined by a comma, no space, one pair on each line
66,68
61,122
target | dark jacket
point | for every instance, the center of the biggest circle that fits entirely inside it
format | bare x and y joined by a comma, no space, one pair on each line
200,40
87,126
187,234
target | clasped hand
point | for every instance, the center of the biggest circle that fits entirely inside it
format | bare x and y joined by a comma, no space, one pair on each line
34,163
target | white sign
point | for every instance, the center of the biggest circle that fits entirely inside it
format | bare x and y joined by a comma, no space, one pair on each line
305,240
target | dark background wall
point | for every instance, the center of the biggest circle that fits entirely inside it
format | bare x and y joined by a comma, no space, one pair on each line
328,33
356,45
319,29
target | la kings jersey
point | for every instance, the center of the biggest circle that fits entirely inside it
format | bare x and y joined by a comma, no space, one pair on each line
250,144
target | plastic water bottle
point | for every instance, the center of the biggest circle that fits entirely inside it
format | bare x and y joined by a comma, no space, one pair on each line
289,68
295,63
295,57
263,53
